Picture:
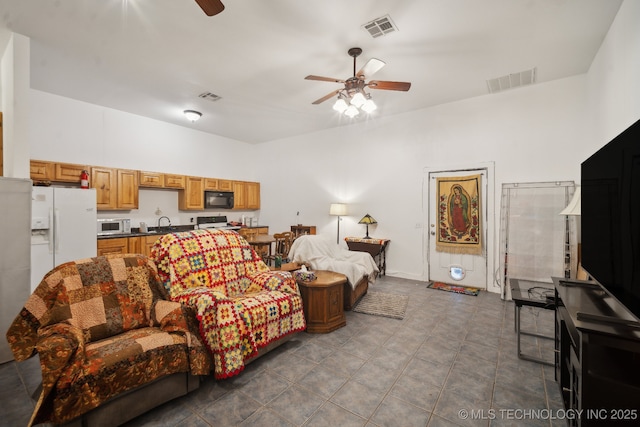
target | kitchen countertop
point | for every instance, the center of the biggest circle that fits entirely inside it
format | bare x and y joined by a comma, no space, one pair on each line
158,231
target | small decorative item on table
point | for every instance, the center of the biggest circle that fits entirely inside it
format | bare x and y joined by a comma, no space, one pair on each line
304,275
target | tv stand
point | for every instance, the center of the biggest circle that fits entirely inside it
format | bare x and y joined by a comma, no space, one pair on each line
583,283
597,343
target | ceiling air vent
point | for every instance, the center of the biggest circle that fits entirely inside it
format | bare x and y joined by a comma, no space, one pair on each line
510,81
380,27
210,96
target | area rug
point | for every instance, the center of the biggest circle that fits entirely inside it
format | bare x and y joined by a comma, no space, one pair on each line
454,288
381,304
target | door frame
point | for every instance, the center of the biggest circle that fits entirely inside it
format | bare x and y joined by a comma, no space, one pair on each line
489,211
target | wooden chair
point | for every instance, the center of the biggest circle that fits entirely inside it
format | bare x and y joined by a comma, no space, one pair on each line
248,233
284,241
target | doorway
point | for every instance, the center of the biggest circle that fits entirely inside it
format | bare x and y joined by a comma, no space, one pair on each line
462,269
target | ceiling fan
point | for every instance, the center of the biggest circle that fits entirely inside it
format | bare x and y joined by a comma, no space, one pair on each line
211,7
353,93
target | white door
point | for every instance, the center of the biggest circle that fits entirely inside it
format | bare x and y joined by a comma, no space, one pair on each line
454,268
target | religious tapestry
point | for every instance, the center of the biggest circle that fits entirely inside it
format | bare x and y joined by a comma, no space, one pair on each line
459,215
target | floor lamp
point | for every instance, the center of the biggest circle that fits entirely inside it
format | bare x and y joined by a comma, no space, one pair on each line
338,209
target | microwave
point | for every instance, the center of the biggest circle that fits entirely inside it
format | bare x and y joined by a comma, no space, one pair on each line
114,226
218,200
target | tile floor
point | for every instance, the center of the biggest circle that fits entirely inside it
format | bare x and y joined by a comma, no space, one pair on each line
449,354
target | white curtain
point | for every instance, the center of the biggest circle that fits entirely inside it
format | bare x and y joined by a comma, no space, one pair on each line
536,242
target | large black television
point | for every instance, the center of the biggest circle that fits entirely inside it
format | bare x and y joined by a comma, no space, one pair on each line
610,217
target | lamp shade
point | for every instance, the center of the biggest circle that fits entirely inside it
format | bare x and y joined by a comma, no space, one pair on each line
339,209
367,219
574,206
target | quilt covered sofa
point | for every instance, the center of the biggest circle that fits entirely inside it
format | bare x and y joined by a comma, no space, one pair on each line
105,329
242,307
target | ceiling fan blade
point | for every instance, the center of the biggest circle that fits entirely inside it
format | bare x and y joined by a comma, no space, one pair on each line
324,79
370,68
384,85
211,7
328,96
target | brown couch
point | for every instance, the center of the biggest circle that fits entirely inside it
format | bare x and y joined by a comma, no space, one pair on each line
111,344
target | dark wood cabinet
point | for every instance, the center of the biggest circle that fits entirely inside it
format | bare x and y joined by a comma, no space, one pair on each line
597,355
322,299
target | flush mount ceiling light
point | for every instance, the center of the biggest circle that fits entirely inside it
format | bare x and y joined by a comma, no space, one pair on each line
192,115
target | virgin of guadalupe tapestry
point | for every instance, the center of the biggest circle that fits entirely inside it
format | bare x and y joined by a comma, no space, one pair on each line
459,215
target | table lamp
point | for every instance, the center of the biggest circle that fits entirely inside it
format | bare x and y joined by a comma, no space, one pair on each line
367,219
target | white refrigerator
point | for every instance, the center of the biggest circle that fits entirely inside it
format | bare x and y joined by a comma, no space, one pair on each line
63,228
15,215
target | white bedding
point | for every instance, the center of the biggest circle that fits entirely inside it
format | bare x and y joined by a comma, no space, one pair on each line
323,254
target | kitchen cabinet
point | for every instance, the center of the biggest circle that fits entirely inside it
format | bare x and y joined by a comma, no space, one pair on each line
105,181
211,184
118,245
174,181
150,179
40,170
66,172
115,188
246,195
147,243
127,189
225,185
192,197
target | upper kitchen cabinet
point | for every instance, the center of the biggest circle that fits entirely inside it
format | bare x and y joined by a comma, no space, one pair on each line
211,184
151,179
246,195
115,188
127,193
174,181
192,197
225,185
57,172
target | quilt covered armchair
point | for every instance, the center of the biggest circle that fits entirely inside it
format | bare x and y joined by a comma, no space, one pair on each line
103,327
242,307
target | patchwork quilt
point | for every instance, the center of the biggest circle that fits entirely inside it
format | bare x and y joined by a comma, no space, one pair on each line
240,304
102,326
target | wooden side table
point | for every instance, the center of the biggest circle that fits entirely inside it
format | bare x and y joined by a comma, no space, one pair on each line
376,247
322,300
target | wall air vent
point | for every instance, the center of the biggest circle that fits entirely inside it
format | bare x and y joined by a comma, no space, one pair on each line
209,96
380,27
510,81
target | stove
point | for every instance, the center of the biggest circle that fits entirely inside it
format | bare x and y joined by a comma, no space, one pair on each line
215,222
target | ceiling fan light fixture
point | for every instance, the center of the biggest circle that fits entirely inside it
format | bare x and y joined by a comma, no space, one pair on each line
341,105
192,115
358,99
352,111
369,106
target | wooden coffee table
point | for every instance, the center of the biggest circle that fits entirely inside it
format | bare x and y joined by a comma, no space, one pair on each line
322,301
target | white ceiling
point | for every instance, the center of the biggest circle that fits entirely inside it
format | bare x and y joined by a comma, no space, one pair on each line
154,57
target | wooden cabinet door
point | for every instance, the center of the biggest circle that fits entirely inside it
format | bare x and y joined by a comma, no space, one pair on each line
119,245
149,241
253,195
135,244
174,181
211,184
104,180
225,185
66,172
192,197
239,195
127,193
150,179
41,170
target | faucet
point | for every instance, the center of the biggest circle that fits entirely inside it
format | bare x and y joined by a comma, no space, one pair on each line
160,220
